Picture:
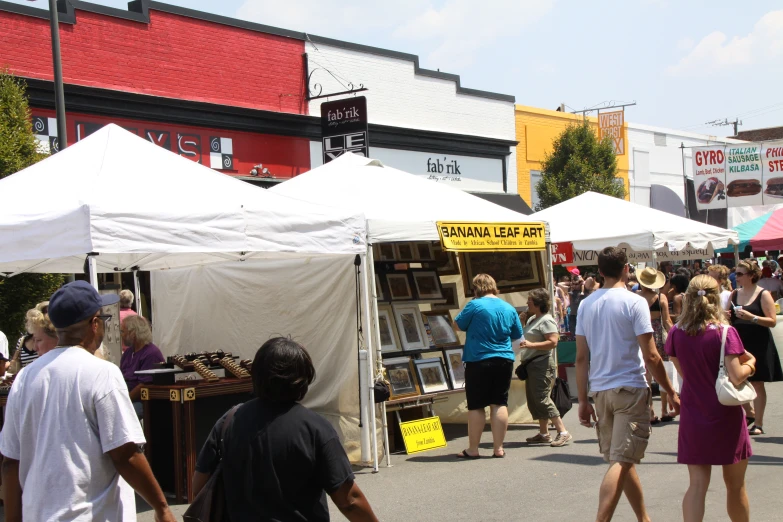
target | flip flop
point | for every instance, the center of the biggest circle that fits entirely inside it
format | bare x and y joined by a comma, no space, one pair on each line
655,420
756,430
464,455
667,418
496,456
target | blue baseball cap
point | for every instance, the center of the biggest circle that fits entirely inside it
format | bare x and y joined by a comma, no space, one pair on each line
75,302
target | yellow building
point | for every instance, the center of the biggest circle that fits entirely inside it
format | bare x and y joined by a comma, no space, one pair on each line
536,130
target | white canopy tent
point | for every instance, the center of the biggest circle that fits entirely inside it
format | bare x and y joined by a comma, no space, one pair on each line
127,205
398,206
594,221
136,204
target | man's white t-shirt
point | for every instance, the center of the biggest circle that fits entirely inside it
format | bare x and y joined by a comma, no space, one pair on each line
611,319
65,411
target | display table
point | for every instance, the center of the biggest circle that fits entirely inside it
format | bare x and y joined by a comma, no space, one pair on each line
177,421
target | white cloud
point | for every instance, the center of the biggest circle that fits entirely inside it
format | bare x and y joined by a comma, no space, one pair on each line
717,53
450,35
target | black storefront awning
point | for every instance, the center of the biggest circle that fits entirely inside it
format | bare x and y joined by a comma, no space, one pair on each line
509,201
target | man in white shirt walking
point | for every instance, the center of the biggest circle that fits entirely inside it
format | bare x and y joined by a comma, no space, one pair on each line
613,342
71,439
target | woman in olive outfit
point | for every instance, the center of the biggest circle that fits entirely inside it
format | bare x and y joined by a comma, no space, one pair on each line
541,335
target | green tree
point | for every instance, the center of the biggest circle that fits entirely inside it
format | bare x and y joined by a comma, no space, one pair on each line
18,150
579,162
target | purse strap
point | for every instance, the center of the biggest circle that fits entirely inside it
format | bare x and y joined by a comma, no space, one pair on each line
725,329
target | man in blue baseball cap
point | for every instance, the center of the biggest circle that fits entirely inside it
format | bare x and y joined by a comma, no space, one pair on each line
71,439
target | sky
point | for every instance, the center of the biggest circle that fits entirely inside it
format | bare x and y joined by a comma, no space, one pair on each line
684,63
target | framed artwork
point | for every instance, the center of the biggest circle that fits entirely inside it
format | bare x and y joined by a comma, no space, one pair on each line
456,369
431,375
399,286
512,271
449,291
390,341
410,327
442,328
445,262
379,288
404,251
424,251
385,252
400,373
427,284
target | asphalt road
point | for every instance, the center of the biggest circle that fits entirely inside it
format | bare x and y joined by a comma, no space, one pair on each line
544,483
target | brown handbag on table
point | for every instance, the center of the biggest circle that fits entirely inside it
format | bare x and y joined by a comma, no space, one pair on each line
210,503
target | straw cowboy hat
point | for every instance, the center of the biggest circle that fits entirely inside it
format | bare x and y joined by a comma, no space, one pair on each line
651,278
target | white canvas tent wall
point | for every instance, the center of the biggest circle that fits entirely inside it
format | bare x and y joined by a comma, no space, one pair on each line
594,221
135,204
399,207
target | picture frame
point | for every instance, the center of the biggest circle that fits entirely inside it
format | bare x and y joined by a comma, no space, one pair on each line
423,251
449,291
512,271
455,367
445,262
410,327
441,327
379,288
386,252
387,327
399,286
432,377
404,251
402,377
427,284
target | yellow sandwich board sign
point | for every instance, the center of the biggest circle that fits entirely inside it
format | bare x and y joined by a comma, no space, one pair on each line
423,434
491,237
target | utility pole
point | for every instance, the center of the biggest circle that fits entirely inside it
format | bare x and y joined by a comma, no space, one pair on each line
717,123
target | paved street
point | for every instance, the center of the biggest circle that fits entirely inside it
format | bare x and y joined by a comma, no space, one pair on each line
543,483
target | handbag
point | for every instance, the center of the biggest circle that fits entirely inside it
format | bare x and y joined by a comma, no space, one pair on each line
521,370
561,396
728,394
382,389
210,503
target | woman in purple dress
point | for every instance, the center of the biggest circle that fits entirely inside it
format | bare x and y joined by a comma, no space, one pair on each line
711,434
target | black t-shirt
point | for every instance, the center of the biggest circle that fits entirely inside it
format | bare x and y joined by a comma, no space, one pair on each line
279,462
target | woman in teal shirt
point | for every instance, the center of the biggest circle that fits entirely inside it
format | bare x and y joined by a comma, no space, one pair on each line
491,325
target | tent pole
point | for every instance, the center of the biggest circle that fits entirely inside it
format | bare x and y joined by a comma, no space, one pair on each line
368,339
377,344
92,268
136,291
551,274
736,255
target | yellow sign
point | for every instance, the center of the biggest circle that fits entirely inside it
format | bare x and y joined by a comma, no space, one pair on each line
491,237
423,434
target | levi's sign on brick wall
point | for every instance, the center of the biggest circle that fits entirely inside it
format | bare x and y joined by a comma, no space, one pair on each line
491,237
344,127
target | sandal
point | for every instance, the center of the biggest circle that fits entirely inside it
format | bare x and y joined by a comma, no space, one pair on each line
756,430
501,456
655,420
750,420
667,418
464,455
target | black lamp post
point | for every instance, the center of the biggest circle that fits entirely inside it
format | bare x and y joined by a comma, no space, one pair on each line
59,95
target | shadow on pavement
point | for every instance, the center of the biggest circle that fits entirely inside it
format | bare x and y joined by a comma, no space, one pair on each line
570,458
761,460
767,440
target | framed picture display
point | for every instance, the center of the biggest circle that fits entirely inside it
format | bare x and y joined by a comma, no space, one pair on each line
442,328
385,252
379,288
449,291
390,340
445,262
400,372
423,251
399,286
512,271
427,284
431,375
453,358
404,251
413,336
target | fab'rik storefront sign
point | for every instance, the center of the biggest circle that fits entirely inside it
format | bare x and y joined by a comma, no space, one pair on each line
491,237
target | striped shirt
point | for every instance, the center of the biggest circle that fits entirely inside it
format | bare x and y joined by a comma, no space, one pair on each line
26,356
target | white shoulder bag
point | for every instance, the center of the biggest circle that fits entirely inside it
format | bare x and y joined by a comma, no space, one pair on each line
728,394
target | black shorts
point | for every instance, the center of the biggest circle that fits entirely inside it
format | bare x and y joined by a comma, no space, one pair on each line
487,382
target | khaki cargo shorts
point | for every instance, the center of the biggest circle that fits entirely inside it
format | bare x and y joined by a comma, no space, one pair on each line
623,425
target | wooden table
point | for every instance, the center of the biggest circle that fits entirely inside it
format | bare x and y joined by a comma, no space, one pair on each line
177,421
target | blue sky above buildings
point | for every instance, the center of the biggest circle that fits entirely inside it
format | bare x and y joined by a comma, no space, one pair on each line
684,62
